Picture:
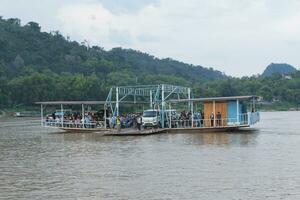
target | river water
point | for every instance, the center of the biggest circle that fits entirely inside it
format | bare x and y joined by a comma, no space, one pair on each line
264,163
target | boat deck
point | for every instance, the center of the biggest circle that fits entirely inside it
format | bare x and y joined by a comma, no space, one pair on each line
144,132
134,132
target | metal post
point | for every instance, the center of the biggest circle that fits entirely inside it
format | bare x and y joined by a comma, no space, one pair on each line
192,110
42,115
189,97
237,111
83,116
162,106
214,110
134,98
62,115
151,99
117,101
170,116
105,116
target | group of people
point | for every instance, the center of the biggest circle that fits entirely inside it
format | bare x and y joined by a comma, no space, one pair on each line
75,119
124,121
218,119
132,120
185,119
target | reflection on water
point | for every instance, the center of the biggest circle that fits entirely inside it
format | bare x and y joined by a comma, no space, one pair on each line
260,163
223,138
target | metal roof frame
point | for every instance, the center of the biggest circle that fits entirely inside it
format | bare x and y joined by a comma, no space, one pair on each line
241,98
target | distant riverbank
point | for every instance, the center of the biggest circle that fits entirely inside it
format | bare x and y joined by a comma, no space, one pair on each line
278,106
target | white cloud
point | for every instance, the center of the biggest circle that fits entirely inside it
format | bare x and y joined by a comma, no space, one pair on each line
239,37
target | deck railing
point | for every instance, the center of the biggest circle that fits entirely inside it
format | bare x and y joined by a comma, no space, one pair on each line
246,119
74,124
253,117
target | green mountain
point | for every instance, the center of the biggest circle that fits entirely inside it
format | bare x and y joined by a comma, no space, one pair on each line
280,68
36,65
22,46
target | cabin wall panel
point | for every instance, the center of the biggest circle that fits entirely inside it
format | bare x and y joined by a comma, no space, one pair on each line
220,107
208,109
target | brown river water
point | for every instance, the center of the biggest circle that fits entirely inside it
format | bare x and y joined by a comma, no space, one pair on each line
263,163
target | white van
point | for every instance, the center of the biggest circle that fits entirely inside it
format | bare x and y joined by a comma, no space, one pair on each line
151,118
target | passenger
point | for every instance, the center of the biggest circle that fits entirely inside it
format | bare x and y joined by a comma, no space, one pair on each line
189,118
118,123
202,118
139,122
77,122
53,116
183,118
113,122
212,119
122,121
197,118
219,119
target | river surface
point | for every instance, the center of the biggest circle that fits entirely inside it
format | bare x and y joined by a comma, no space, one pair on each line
264,163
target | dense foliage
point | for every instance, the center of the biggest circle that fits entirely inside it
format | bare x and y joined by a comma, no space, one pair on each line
38,66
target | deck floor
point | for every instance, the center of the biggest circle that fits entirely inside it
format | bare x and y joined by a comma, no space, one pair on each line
136,132
124,132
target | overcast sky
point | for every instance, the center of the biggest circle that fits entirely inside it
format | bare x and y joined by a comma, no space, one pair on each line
238,37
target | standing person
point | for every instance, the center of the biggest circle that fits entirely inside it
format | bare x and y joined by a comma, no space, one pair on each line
199,117
202,118
118,122
113,122
219,117
139,122
188,119
212,119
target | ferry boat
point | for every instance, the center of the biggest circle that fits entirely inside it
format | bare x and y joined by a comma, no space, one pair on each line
201,114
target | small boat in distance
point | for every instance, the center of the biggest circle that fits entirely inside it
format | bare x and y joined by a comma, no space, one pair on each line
26,114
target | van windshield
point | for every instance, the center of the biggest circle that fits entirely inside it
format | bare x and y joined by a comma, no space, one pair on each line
149,114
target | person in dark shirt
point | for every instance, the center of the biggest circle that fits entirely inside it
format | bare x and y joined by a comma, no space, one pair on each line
212,119
219,118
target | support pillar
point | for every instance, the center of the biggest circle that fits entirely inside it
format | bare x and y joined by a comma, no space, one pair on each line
237,112
170,116
117,101
104,117
151,104
42,115
189,97
214,111
62,115
83,116
163,106
192,110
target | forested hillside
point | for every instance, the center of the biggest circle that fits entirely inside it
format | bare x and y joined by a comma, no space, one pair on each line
39,66
36,66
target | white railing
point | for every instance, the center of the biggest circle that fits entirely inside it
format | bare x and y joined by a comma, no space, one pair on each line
253,117
246,119
74,124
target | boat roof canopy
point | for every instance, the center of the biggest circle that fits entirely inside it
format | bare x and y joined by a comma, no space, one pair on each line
71,103
85,102
240,98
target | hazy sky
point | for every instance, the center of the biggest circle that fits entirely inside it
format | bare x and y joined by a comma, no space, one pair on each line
238,37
